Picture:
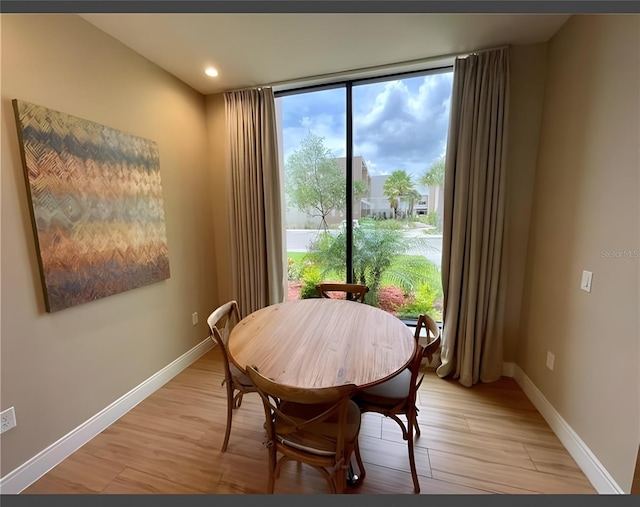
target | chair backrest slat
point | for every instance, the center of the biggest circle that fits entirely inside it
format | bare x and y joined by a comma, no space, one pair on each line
357,290
415,370
433,335
221,322
223,319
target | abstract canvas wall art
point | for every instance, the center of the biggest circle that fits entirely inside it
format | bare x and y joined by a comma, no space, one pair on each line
96,206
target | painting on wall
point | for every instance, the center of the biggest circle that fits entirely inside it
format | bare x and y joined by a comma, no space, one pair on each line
96,206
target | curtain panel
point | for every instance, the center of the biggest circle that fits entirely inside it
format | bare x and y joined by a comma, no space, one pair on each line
474,218
257,241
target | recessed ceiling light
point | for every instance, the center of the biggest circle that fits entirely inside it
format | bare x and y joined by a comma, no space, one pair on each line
210,71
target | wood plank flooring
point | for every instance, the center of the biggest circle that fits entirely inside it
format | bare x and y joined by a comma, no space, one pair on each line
487,439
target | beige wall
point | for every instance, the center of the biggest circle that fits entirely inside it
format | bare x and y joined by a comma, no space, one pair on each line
527,78
586,203
60,369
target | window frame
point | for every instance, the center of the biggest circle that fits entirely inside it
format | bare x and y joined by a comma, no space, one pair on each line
348,85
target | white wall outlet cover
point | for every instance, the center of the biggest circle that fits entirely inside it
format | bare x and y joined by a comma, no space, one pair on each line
585,284
550,360
7,420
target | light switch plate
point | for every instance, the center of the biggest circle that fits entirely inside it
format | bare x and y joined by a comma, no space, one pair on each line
585,284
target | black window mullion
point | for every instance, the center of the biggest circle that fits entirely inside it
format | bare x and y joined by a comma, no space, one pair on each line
349,183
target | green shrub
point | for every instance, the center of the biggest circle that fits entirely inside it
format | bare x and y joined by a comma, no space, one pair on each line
371,297
427,297
389,224
311,277
421,303
294,269
421,218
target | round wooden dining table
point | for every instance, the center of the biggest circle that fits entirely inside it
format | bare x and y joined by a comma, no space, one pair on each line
314,343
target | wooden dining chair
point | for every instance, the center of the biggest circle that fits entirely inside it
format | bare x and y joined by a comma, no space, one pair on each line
357,291
397,396
318,427
221,322
432,335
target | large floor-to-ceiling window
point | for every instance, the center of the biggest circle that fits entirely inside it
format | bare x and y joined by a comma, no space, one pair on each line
364,176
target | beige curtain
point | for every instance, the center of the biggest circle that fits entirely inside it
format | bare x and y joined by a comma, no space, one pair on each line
474,217
257,240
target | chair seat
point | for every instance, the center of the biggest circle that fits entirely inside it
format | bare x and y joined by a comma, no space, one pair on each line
389,392
322,441
239,375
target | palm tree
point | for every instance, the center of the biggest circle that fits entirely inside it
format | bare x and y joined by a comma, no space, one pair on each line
377,252
434,176
397,186
412,197
434,179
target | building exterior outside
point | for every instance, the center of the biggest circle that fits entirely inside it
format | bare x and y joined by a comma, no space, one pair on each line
421,207
380,207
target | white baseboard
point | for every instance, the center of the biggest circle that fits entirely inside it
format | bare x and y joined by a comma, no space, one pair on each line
508,369
580,452
27,473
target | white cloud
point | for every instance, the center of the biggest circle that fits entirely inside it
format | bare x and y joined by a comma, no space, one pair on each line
405,128
397,124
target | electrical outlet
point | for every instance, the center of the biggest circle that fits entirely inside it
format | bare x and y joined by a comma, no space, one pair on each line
7,420
194,318
550,359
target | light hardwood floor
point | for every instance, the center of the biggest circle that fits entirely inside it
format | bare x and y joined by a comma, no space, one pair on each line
487,439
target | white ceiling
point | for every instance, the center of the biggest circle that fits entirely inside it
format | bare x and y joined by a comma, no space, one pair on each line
266,49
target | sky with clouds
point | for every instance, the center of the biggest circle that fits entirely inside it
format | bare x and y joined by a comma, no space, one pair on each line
400,124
